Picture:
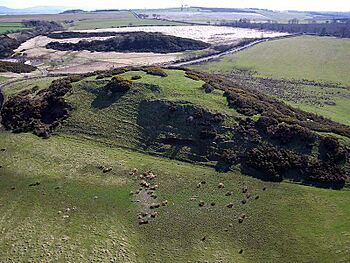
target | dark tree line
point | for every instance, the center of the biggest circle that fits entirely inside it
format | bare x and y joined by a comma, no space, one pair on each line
130,42
35,28
322,29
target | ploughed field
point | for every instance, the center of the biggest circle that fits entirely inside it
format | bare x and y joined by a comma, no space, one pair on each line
168,165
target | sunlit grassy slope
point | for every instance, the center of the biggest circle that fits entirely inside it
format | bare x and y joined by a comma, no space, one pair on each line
306,57
117,122
57,204
289,222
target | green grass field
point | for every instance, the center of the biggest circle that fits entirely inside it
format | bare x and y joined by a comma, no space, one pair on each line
57,204
289,222
25,84
98,24
125,19
323,59
320,59
338,113
2,79
11,27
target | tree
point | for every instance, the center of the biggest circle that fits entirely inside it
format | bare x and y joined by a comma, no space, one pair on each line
293,21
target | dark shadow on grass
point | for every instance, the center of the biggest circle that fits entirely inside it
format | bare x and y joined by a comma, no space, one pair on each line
104,100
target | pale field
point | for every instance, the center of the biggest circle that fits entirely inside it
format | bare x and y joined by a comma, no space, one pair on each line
211,34
55,61
84,61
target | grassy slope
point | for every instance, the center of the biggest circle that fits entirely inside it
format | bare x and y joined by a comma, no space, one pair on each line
284,16
11,27
313,58
338,113
117,123
321,59
21,85
288,222
2,79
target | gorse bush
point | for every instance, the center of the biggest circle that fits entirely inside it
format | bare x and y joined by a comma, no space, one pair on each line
132,42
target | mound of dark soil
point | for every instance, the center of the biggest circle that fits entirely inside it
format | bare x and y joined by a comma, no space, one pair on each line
133,42
15,67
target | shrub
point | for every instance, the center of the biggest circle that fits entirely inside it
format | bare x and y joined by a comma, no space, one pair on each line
269,160
207,88
156,71
40,112
192,76
118,84
136,77
15,67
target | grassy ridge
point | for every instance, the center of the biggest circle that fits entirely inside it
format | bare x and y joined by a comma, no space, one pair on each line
280,225
319,59
95,117
22,85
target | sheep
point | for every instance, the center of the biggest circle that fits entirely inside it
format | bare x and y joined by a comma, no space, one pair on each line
230,205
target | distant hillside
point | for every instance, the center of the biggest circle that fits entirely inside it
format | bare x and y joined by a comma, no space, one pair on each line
73,11
32,10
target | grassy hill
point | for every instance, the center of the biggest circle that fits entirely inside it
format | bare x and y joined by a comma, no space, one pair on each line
94,186
301,71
